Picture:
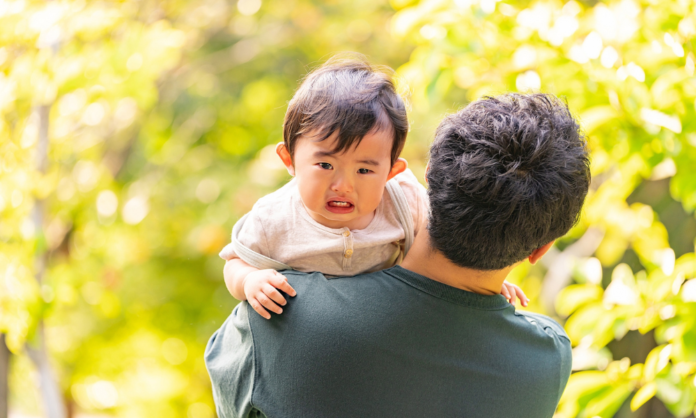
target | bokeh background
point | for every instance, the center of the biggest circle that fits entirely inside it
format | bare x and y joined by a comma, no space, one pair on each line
133,134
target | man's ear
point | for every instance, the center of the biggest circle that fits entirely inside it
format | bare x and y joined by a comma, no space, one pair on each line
285,157
539,252
400,165
427,168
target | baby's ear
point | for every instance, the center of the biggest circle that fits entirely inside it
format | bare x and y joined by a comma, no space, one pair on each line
400,165
285,157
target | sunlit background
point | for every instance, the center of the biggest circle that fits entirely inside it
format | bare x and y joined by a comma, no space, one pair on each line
133,134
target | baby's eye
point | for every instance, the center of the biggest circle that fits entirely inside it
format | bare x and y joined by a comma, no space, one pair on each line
363,171
325,166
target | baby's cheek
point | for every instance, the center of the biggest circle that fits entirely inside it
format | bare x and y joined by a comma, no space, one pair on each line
372,201
311,193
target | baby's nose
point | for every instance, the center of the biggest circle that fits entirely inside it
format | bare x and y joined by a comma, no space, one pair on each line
342,184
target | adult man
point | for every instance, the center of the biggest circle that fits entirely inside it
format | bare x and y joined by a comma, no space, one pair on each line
507,176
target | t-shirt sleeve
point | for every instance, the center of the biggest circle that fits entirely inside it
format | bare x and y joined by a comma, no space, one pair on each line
566,363
229,358
417,198
251,235
563,348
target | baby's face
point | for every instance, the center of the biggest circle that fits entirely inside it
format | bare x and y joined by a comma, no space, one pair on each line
343,190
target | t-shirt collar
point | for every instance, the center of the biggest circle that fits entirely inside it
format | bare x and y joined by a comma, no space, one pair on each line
452,294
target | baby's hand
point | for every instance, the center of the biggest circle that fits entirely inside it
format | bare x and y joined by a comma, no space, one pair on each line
260,290
512,292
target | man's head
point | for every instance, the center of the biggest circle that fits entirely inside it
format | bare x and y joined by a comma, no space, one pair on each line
343,133
507,175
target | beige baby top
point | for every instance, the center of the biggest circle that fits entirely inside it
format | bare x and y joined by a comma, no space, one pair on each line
279,227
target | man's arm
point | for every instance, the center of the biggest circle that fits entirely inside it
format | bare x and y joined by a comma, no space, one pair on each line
229,358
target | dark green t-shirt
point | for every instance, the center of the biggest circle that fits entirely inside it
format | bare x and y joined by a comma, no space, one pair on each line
388,344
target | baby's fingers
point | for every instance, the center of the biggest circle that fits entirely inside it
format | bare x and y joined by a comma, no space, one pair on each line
268,304
273,294
280,282
505,292
258,308
516,292
513,298
524,300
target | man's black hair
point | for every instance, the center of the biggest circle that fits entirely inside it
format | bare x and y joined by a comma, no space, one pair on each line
507,175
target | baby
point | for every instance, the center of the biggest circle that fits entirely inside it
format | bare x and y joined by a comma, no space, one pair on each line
343,133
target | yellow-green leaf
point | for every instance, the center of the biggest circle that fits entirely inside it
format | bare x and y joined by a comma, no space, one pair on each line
574,296
582,382
653,363
583,322
592,118
609,402
643,395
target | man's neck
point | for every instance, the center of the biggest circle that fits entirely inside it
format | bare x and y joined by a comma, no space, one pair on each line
428,262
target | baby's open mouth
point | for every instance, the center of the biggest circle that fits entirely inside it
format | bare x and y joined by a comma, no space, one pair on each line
339,204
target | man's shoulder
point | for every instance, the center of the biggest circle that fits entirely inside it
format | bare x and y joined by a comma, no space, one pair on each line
374,274
319,279
561,346
544,323
317,292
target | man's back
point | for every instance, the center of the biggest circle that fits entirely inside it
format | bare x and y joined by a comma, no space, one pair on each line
390,343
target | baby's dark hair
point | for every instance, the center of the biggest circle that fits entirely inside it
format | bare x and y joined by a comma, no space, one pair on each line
507,175
350,97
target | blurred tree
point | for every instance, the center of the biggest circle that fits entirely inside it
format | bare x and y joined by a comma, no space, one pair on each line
626,69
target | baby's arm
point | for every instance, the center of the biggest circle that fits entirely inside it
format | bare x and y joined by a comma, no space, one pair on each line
258,287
